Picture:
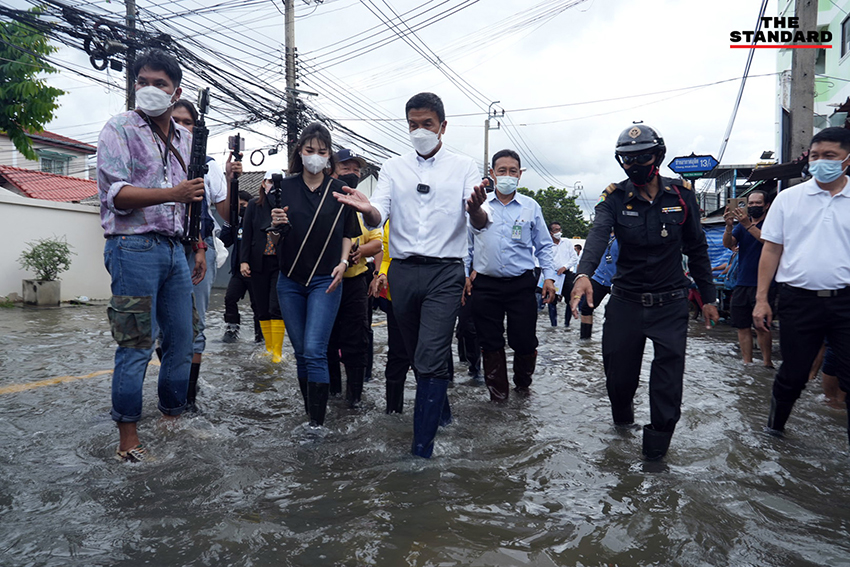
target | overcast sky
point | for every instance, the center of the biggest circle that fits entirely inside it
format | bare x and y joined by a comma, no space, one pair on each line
594,51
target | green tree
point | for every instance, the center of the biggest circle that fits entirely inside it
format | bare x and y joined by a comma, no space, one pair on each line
26,102
558,206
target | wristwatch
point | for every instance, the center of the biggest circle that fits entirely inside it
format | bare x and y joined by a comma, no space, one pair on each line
344,262
200,245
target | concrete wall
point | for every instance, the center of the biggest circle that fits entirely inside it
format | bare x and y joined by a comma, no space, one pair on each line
25,220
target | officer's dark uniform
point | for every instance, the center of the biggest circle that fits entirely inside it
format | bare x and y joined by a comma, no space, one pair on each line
649,296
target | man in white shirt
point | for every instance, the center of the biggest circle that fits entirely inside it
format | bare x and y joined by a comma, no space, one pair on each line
432,195
807,246
565,260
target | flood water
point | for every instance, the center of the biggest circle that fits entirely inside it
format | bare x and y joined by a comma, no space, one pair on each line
542,481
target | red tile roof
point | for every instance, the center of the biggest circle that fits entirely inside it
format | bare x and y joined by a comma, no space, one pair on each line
46,186
56,139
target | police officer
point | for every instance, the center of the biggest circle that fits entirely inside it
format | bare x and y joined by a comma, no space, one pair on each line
655,220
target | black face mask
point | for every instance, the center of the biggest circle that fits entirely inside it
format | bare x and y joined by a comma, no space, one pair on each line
641,174
350,179
756,212
242,210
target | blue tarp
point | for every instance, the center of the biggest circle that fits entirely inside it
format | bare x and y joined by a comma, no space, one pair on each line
717,253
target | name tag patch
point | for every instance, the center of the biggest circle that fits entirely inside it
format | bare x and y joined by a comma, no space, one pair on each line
631,213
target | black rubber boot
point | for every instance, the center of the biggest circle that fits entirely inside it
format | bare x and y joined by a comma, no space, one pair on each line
496,375
461,349
302,385
428,412
335,373
586,330
317,397
655,443
395,397
192,392
258,332
524,365
779,412
354,378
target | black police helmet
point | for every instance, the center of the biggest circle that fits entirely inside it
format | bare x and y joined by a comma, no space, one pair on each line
640,138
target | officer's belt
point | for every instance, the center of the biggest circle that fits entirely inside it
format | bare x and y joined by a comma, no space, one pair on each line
650,299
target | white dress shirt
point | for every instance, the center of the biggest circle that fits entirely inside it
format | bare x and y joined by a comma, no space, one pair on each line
813,228
565,255
433,223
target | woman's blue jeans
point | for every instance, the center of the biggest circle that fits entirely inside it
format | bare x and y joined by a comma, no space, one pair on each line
309,314
151,287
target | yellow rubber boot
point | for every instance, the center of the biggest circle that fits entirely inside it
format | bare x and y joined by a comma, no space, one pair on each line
278,330
266,327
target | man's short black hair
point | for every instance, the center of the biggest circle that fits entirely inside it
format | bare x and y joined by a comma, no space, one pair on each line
159,60
840,135
245,196
506,153
427,101
578,246
551,224
761,192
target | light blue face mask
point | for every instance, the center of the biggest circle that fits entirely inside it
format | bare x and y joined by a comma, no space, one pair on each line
507,184
826,170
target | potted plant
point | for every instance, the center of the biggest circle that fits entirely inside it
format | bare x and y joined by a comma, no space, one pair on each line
48,258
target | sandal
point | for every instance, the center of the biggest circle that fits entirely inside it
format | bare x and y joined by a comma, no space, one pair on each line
135,455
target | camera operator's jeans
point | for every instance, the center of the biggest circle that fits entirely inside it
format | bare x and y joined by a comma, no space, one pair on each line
309,314
202,291
151,286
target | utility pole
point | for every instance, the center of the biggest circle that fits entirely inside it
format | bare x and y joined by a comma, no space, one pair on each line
487,129
803,82
130,6
291,85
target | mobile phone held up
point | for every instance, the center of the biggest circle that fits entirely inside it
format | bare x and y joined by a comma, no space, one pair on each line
736,203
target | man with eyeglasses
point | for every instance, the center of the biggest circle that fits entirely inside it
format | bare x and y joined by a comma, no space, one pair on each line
655,220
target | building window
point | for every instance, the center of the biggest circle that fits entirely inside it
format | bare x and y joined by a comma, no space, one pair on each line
55,163
845,36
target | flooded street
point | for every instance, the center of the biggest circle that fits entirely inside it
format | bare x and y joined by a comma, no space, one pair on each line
542,481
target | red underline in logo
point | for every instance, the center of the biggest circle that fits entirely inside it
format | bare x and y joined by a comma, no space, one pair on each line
781,46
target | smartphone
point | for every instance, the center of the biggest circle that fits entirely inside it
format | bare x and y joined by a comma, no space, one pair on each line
231,143
736,203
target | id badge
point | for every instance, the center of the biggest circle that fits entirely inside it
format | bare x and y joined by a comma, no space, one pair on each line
516,232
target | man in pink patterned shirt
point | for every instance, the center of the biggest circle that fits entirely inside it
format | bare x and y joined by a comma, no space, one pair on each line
141,174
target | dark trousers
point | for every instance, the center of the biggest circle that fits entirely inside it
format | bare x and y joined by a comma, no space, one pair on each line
264,285
398,362
467,337
627,326
426,299
236,289
805,320
350,332
493,299
599,293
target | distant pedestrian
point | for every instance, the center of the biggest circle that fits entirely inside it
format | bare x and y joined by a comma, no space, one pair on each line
565,260
746,236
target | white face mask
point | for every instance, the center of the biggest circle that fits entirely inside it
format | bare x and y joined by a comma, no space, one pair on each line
314,163
556,235
506,185
424,141
153,101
